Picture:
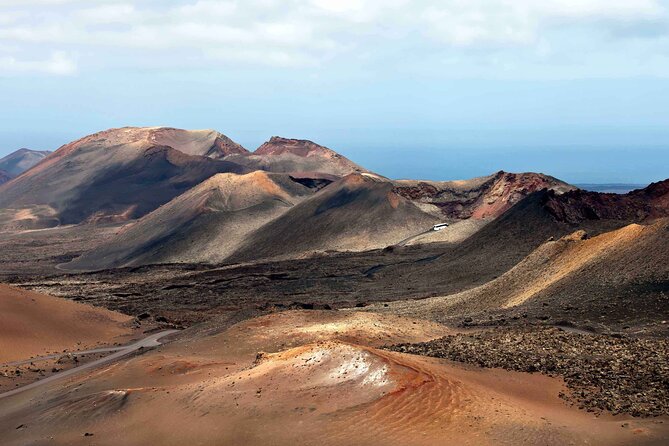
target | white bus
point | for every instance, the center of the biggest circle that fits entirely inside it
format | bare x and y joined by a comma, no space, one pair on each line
439,226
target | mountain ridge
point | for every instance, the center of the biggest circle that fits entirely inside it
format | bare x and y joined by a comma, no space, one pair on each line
21,160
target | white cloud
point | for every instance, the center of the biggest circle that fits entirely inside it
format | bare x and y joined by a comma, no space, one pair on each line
308,32
59,63
115,13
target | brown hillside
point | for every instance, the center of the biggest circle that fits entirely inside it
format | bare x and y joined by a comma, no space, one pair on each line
205,224
115,175
356,213
621,275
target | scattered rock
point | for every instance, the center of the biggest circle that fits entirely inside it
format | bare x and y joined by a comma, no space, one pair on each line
603,372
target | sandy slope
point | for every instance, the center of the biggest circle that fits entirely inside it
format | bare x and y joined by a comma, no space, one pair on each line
32,324
205,224
309,387
572,270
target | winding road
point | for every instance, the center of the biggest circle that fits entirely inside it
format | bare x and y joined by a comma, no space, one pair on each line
150,341
413,237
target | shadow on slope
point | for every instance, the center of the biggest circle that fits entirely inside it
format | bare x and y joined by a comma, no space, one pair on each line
205,224
356,213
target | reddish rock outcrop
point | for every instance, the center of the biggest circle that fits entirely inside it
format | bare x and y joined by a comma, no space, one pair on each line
487,197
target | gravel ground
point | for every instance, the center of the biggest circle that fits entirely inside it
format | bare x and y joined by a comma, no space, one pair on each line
603,373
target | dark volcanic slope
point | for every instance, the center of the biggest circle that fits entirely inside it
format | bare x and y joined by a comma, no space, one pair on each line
297,156
23,159
356,213
484,197
504,242
187,293
618,277
117,174
577,206
205,224
4,177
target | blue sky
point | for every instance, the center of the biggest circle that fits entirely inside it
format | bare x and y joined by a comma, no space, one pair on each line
425,88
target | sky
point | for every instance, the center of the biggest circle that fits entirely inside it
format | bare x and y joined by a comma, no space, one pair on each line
431,89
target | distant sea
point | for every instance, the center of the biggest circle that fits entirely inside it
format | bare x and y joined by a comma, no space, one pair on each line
612,188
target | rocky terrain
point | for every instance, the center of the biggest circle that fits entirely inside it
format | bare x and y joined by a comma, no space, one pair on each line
578,205
618,374
356,213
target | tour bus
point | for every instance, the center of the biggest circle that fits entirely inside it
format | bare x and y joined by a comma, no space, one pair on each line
439,226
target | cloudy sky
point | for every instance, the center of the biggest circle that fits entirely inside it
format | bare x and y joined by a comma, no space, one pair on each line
426,88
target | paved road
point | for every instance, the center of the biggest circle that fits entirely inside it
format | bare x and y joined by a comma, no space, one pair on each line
149,341
58,355
413,237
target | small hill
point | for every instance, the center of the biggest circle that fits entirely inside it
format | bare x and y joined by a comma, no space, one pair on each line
23,159
358,212
33,324
298,157
479,198
618,275
205,224
118,174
